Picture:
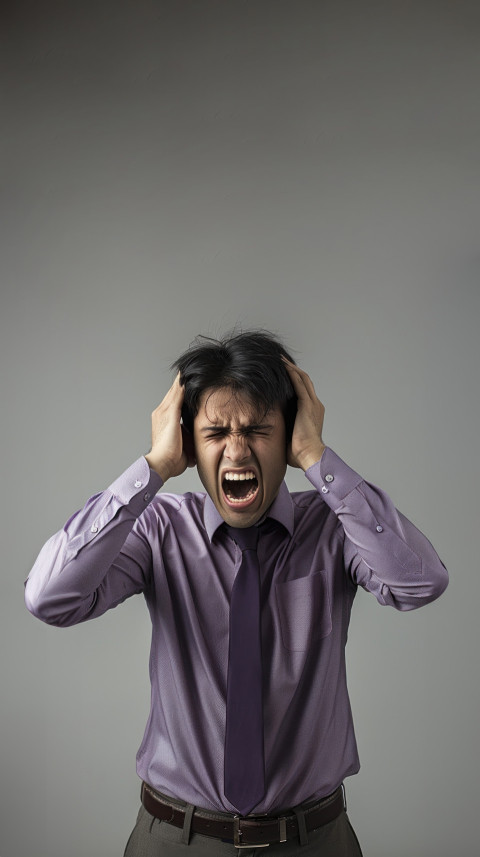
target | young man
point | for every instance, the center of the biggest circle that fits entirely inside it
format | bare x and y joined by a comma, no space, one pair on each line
249,589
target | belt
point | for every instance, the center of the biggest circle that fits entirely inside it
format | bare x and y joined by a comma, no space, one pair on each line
248,831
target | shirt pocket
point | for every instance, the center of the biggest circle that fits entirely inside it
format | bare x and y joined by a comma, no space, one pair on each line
304,611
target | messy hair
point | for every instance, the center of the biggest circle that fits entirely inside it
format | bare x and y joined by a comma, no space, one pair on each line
247,362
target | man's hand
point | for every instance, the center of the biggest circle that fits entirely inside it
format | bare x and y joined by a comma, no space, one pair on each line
172,445
307,445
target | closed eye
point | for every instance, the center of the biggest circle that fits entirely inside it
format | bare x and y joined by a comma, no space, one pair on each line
259,431
215,433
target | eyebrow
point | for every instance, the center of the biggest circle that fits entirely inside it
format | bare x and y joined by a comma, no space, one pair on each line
253,427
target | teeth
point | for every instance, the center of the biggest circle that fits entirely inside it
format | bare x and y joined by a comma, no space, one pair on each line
249,496
235,500
235,477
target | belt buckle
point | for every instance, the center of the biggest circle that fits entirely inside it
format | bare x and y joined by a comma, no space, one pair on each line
237,834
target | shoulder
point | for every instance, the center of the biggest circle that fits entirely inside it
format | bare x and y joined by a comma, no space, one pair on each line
175,510
310,509
308,500
189,503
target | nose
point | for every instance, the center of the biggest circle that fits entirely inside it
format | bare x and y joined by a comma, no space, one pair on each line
237,448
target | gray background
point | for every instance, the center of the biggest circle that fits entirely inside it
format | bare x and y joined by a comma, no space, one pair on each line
176,167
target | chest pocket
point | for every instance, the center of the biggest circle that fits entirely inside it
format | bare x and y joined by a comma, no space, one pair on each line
304,611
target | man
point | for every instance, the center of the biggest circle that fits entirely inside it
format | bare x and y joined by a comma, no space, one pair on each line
249,589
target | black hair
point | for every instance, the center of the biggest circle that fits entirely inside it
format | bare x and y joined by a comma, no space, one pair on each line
247,362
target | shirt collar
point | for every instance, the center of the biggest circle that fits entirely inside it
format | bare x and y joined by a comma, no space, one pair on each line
281,510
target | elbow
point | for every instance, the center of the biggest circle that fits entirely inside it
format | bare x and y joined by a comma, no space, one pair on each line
43,610
433,585
416,593
436,580
34,603
39,609
50,610
439,582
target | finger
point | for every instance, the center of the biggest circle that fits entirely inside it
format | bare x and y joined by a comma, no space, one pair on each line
178,388
301,381
176,391
308,383
306,380
173,398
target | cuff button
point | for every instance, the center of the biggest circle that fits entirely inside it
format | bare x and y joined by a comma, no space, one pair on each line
138,484
329,477
379,528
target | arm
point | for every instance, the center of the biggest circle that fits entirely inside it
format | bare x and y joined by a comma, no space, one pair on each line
102,555
99,558
383,551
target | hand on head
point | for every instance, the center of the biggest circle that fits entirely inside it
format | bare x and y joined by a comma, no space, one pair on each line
306,446
172,445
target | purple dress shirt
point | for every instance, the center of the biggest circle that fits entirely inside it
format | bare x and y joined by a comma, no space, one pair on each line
316,548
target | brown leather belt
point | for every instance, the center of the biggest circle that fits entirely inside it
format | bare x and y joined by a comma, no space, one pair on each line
250,831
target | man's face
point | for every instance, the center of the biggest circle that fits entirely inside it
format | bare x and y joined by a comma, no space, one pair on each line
241,455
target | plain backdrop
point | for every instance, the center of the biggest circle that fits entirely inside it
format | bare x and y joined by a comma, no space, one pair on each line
182,166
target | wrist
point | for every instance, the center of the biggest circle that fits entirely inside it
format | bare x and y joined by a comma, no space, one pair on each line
312,457
160,467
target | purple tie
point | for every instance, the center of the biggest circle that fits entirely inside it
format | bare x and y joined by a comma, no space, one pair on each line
244,752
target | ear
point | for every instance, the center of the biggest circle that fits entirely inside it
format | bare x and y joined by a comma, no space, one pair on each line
188,446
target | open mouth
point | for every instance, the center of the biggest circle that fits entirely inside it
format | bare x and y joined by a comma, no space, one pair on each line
240,489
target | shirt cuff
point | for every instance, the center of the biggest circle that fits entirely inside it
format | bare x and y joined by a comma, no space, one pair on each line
333,478
137,486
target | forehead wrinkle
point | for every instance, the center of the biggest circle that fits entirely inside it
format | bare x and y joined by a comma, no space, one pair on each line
229,409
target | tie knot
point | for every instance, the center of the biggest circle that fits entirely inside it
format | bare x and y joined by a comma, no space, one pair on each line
245,537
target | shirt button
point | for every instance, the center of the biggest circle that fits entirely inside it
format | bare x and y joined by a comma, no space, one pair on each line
94,528
329,477
138,484
324,489
146,497
379,529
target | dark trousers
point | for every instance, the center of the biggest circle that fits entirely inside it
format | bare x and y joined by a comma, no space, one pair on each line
154,838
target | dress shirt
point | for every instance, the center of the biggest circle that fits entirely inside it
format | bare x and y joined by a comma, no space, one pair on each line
315,548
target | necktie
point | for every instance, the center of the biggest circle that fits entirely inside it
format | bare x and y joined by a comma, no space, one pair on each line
244,751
